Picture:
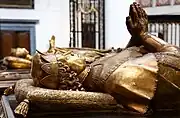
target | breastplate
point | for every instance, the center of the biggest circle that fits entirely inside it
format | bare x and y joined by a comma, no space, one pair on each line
103,68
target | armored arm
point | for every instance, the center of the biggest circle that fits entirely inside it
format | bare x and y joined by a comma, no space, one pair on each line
137,25
155,44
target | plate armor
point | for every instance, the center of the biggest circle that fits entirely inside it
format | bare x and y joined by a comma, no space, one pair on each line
138,82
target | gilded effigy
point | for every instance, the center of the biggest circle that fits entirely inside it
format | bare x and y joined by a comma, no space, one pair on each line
14,67
18,59
142,78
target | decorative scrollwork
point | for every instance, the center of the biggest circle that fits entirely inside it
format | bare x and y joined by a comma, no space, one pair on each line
84,11
86,8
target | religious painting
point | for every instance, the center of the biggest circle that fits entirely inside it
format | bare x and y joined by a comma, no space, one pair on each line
177,2
163,2
145,3
25,4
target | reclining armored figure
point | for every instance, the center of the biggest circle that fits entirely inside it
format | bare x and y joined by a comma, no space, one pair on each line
142,77
18,59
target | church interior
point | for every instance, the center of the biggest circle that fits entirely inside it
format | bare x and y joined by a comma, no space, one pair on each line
92,29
